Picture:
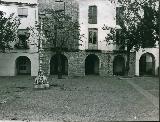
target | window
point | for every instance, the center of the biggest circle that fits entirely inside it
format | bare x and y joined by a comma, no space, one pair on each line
22,12
119,14
120,42
23,35
118,39
120,1
92,35
92,15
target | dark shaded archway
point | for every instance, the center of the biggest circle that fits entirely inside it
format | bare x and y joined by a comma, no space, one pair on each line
92,65
147,64
23,65
119,65
54,65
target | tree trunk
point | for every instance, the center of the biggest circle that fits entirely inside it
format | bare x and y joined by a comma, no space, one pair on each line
3,50
59,65
127,63
58,54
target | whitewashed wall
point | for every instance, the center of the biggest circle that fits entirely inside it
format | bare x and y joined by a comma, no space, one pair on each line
8,59
8,63
106,14
29,21
154,52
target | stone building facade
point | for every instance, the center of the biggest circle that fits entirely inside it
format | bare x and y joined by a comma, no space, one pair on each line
76,62
91,58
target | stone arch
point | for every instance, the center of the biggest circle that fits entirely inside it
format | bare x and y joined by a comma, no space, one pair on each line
119,65
147,64
92,65
54,64
23,65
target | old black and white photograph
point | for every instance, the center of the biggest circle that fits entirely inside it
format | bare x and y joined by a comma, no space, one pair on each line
79,60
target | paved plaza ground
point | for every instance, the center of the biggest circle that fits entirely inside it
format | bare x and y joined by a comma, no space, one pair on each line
80,99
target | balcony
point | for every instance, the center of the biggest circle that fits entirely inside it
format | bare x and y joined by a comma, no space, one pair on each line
92,46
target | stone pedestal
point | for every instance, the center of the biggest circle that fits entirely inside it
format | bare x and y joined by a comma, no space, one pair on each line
41,81
41,86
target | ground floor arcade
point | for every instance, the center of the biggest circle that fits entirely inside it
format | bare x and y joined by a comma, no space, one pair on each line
87,63
147,62
19,63
144,62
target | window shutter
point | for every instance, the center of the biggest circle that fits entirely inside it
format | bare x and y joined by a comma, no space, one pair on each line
90,36
20,11
119,14
94,37
23,12
92,15
118,36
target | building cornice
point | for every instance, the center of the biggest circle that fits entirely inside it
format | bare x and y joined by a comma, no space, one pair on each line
18,3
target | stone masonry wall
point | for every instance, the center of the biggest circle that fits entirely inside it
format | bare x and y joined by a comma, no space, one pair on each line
76,66
45,58
76,62
132,64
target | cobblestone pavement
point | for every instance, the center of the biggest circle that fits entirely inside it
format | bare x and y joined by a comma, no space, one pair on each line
80,99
